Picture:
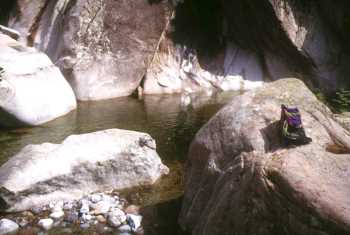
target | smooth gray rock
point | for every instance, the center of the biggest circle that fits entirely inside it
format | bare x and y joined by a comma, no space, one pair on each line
240,177
103,47
8,227
32,89
81,164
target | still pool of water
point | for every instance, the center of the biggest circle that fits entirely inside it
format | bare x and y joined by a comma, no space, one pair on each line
171,123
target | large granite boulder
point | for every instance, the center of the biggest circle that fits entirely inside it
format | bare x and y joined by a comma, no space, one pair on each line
32,89
81,164
241,179
103,47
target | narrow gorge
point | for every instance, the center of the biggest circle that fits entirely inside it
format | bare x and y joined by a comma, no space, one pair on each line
163,117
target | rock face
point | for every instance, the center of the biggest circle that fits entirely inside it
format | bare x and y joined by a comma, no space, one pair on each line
241,178
177,69
319,31
32,89
103,47
81,164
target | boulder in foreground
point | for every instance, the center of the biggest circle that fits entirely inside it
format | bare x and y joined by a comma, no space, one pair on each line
32,89
81,164
241,178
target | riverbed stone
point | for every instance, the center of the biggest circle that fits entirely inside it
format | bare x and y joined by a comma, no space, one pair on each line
46,224
124,229
134,221
81,164
71,217
57,214
33,91
241,177
116,217
8,227
101,207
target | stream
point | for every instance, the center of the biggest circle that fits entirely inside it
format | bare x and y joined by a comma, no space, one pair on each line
167,118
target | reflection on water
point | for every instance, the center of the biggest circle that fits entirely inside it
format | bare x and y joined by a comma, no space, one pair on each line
171,123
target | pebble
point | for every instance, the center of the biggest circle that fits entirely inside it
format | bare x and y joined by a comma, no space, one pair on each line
116,217
124,228
101,219
46,223
94,198
71,217
134,221
85,226
86,217
101,207
8,226
68,206
22,222
85,208
37,210
57,214
132,209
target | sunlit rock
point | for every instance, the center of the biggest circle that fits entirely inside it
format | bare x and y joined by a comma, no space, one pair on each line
81,164
240,177
32,89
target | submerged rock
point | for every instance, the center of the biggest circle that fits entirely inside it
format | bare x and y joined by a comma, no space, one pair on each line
8,227
81,164
240,177
32,90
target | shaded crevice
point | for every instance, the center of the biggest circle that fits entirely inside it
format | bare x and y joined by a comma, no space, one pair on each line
35,26
7,6
208,26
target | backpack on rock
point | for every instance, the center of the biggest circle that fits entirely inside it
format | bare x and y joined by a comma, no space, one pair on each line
292,127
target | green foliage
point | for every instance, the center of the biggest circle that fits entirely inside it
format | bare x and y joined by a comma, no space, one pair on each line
341,100
338,101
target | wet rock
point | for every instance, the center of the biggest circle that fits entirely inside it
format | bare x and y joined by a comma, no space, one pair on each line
81,164
116,217
8,227
238,167
30,87
46,224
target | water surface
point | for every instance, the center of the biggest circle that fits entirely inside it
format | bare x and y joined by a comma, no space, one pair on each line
166,118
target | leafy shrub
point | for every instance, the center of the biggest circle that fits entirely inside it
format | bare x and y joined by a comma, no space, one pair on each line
341,100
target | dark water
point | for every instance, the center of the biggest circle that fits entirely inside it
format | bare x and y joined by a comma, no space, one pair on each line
172,124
